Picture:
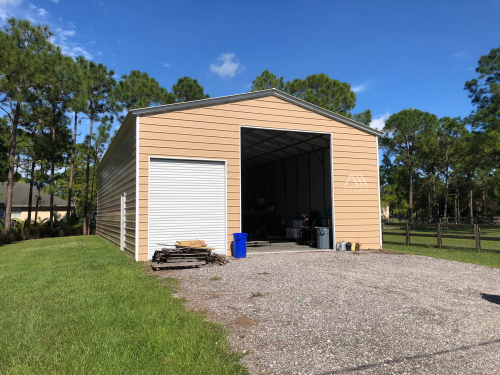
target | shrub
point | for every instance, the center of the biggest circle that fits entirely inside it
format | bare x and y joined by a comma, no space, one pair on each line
26,230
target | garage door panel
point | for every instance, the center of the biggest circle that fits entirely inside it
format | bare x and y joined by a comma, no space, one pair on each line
187,202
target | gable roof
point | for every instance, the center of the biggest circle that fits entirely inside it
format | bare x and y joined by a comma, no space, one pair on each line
254,95
21,193
133,113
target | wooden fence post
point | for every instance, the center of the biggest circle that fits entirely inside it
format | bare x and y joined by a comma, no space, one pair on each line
477,237
439,241
407,234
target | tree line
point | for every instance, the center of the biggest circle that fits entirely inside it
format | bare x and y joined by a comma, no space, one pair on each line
44,96
441,168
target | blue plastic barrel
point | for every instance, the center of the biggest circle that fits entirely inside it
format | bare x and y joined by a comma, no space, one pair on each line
240,245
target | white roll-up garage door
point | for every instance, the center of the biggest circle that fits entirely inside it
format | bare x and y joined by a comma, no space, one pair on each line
187,201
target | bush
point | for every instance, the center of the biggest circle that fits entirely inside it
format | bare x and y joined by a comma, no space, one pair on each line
26,230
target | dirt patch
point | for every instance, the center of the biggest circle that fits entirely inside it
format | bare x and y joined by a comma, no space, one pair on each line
244,321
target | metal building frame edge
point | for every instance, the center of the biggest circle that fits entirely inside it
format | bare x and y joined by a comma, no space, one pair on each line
331,169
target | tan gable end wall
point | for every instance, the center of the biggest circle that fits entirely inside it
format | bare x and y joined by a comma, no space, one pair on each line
213,133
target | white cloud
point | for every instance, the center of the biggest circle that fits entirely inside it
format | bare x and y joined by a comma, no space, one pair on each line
92,42
461,55
55,1
378,123
68,48
11,8
99,53
33,14
362,87
12,3
40,11
62,35
73,50
166,65
226,65
3,16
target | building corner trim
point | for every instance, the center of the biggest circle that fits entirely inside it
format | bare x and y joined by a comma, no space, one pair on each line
137,188
379,208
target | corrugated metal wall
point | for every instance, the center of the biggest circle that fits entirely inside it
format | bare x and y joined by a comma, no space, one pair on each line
117,176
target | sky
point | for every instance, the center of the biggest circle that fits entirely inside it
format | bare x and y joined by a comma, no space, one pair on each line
395,54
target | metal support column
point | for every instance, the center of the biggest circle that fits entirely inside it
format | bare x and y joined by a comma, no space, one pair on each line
310,194
297,183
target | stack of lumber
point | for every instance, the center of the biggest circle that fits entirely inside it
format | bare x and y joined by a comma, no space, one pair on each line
182,254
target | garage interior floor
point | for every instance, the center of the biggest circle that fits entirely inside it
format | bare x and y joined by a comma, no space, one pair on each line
281,247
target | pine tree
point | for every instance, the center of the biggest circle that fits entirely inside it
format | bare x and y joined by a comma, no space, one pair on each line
402,140
57,96
485,94
77,104
364,117
139,90
25,50
268,80
323,91
187,89
98,83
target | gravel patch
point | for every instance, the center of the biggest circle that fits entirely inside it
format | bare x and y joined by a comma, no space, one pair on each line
356,313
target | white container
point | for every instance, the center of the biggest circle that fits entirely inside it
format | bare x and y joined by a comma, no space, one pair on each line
292,233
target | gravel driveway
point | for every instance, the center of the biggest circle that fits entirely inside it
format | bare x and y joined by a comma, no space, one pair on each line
356,313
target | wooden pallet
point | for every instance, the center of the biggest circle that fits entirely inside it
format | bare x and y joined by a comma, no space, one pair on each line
162,265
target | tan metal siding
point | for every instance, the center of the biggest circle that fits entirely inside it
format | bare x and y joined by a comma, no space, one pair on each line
118,176
213,132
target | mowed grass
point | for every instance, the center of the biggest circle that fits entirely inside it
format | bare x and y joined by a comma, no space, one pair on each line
77,305
460,255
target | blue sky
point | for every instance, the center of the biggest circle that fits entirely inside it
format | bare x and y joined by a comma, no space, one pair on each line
395,54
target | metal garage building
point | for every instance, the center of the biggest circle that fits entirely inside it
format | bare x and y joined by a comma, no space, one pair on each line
208,168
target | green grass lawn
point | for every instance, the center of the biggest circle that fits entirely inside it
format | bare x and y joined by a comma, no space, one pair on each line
77,305
461,255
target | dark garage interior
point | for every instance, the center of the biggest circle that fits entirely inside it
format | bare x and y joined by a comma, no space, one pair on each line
284,174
